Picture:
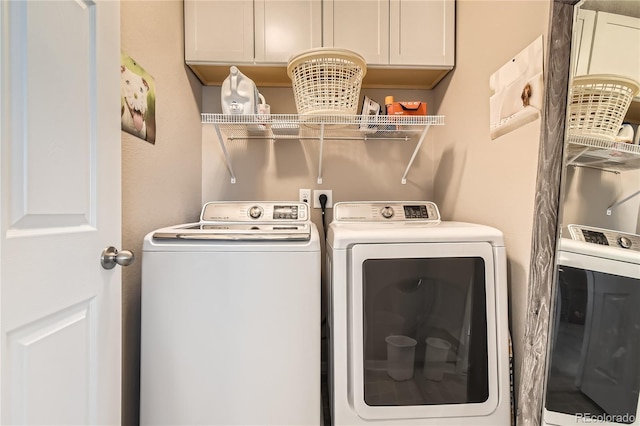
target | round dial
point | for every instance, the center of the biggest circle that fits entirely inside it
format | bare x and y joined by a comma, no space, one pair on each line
255,212
387,212
624,242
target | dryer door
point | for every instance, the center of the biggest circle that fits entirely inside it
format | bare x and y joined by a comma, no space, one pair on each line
423,330
594,372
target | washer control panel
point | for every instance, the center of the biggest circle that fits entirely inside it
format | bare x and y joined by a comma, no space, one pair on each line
605,237
387,211
258,211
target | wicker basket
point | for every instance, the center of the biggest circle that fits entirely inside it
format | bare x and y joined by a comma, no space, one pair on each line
327,81
598,104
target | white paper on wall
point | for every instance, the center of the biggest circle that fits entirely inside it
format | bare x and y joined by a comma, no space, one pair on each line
517,89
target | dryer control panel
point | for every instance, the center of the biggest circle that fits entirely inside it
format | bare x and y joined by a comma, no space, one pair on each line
605,237
387,211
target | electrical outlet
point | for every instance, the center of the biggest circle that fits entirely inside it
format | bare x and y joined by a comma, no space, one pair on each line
304,196
316,198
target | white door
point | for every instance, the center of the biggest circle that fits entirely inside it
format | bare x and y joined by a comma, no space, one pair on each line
60,206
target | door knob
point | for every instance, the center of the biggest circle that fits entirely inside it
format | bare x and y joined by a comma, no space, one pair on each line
112,257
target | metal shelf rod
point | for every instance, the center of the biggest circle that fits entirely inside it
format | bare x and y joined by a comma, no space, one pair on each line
320,154
575,157
226,154
326,138
413,156
624,200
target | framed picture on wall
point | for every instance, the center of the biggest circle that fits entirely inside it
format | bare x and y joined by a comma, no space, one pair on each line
137,100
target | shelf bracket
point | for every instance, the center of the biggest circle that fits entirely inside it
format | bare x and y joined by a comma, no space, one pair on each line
413,156
575,157
320,155
624,200
226,154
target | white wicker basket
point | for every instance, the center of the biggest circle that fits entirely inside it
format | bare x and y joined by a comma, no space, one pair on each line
327,81
598,104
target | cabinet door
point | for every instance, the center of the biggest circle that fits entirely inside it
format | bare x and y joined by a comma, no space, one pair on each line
218,31
358,25
284,28
422,32
583,31
616,43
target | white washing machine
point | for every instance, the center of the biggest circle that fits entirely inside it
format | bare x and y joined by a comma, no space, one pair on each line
418,318
594,361
231,318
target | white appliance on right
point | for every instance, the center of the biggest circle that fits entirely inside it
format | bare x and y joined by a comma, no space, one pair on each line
594,364
418,318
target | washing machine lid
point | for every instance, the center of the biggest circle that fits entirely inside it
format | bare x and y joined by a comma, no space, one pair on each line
236,232
244,221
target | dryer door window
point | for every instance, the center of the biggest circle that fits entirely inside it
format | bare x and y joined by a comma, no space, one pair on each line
425,334
595,346
426,330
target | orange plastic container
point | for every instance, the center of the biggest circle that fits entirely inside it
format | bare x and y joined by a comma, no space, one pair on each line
407,108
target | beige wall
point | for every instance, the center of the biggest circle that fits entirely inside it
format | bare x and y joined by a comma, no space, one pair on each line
477,179
584,206
161,183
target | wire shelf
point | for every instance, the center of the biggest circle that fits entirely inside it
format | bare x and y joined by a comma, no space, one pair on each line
417,120
320,127
602,154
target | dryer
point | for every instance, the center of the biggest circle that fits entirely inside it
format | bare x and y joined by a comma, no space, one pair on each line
231,320
418,318
594,359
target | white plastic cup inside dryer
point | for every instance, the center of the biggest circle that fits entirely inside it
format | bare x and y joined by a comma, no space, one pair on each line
401,351
435,358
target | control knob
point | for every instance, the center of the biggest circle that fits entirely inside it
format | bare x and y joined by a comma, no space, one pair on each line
255,212
387,212
624,242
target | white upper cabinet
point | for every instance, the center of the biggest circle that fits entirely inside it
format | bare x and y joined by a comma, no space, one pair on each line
245,31
422,32
218,31
406,43
393,32
284,28
609,45
584,24
616,46
358,25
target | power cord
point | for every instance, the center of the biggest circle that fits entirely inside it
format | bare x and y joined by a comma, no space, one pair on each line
323,205
323,324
